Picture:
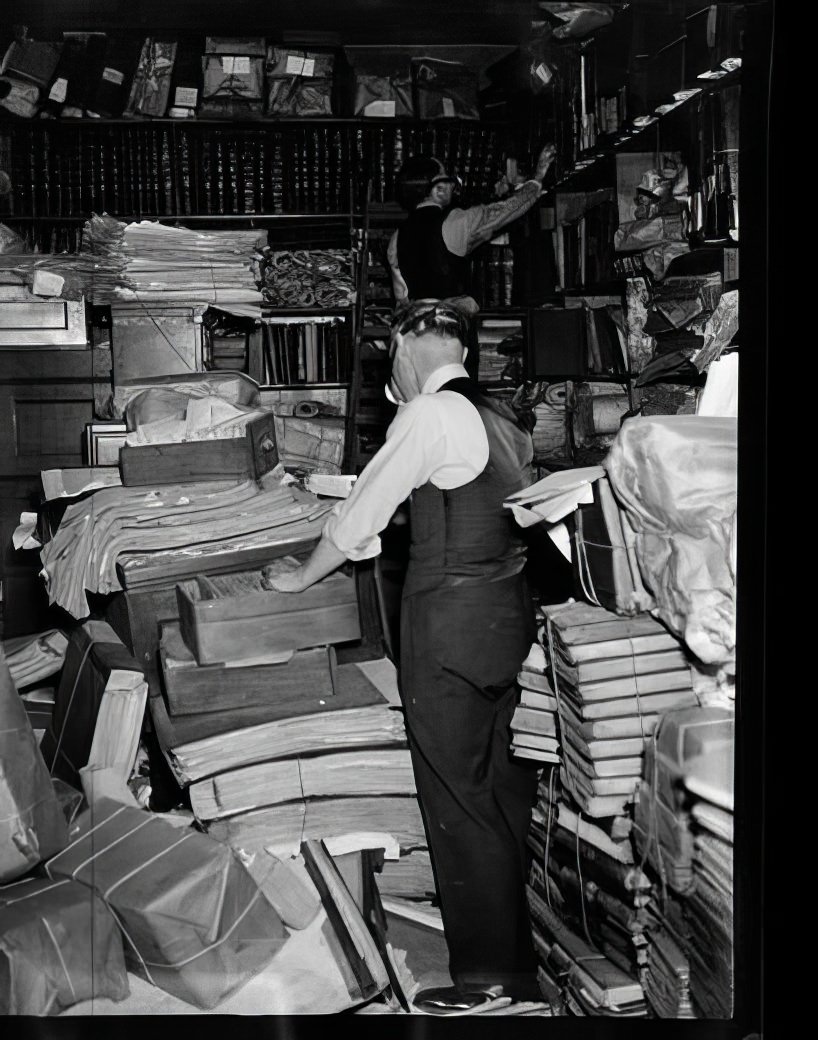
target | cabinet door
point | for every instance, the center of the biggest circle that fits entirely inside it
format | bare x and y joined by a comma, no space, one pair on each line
42,425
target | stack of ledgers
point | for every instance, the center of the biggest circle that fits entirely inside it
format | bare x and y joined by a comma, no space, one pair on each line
188,518
534,724
687,848
585,871
279,737
709,780
158,264
575,977
612,677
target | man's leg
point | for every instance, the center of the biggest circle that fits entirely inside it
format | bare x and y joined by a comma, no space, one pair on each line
475,801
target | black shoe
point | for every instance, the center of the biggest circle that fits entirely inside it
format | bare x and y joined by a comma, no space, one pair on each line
449,1000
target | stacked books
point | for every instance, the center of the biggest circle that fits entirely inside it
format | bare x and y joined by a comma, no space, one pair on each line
612,677
690,936
666,972
709,780
586,871
298,350
574,976
534,724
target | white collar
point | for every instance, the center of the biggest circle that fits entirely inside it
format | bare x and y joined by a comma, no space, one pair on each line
442,375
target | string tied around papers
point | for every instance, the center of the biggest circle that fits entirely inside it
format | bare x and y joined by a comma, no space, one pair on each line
77,677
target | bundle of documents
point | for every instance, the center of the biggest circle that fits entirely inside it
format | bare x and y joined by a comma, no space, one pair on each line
662,822
298,762
572,969
709,780
612,678
666,974
83,553
163,265
585,870
534,724
36,657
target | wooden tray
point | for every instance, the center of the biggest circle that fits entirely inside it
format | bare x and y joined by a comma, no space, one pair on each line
193,689
231,617
237,458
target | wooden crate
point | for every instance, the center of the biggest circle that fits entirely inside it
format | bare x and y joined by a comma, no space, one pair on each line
231,617
192,688
240,458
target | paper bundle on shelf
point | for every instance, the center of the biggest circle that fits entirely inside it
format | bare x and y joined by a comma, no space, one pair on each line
157,264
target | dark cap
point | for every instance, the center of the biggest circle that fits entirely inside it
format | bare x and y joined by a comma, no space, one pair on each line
437,316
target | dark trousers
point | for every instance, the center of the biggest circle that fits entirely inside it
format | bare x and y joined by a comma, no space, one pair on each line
461,649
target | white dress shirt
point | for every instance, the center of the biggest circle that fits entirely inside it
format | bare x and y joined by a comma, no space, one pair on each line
438,436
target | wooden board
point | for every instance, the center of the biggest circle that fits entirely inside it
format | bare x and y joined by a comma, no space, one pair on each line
193,689
229,457
239,616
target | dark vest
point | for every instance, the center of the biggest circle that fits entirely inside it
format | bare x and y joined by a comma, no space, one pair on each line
465,536
428,268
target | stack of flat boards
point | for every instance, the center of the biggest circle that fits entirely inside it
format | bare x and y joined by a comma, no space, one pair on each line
612,677
534,724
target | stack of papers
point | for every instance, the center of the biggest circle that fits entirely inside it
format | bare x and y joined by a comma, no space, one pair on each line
709,780
585,870
588,981
534,724
165,265
612,677
83,553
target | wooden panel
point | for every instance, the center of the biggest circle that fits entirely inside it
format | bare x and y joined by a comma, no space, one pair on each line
192,689
41,426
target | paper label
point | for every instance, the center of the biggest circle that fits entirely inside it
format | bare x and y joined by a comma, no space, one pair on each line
543,72
309,67
58,90
380,108
295,65
241,66
448,106
227,65
186,97
113,76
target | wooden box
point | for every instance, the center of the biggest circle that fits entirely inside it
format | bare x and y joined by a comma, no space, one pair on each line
193,689
232,617
239,458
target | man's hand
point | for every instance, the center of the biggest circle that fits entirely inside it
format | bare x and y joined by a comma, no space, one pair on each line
289,581
544,160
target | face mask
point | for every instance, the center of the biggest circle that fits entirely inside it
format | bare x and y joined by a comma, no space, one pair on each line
390,397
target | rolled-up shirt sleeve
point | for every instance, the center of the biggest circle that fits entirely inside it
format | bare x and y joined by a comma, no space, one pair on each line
415,447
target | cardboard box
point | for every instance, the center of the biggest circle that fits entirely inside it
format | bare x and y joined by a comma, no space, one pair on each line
195,921
59,945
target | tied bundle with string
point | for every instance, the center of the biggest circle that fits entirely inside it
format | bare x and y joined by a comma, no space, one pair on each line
306,277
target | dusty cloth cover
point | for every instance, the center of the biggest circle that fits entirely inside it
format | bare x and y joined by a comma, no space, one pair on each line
32,825
59,945
444,89
675,475
195,922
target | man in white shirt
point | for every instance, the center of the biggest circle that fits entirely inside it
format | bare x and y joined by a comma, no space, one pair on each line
428,254
467,623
